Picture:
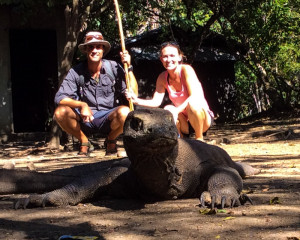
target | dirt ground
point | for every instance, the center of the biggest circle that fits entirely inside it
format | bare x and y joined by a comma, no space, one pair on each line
270,143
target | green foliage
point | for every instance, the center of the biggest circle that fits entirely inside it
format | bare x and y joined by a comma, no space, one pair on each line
269,32
245,82
268,35
262,34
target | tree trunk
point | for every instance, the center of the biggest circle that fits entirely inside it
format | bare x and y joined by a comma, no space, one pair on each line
73,27
76,24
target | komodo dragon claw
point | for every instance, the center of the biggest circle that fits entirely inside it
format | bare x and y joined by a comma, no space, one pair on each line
206,199
36,200
21,203
223,201
244,198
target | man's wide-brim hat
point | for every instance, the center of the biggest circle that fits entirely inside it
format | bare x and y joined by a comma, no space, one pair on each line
92,38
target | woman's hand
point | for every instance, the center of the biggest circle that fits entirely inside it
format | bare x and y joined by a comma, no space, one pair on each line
130,95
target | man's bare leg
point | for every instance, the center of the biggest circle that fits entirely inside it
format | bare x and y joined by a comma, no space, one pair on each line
117,119
68,120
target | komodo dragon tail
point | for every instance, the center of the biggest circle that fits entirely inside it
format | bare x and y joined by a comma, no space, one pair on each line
246,170
24,181
21,181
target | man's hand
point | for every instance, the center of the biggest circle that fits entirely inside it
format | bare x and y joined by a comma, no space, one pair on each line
125,57
86,113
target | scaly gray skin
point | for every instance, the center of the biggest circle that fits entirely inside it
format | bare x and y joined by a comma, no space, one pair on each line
161,167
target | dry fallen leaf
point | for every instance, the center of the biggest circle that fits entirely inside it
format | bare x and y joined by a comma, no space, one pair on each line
208,211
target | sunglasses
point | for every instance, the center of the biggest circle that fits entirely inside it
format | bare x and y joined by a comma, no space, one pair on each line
171,43
90,37
91,47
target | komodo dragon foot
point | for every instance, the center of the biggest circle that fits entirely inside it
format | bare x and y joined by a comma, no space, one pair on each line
224,189
39,200
35,200
223,200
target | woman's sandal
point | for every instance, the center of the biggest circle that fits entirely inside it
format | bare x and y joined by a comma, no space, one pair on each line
112,149
85,149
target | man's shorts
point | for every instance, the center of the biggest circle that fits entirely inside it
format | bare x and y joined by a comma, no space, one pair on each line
100,124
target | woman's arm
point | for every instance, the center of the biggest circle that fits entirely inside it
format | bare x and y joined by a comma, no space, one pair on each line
157,96
193,84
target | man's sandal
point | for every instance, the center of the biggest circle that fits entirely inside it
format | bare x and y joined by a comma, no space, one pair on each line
85,149
110,146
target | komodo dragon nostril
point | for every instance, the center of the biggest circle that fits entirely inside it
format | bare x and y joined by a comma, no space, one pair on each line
136,124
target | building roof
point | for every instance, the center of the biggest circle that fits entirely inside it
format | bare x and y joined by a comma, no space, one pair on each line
146,46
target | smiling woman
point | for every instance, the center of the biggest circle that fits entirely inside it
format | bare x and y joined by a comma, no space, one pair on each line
190,108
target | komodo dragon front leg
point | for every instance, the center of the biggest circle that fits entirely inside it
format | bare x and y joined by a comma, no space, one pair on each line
81,189
223,189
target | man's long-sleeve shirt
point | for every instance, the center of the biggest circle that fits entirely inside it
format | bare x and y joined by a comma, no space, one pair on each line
101,95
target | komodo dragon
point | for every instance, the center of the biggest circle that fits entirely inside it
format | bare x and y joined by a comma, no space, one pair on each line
159,166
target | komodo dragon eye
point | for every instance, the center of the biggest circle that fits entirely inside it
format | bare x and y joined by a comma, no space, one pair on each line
136,124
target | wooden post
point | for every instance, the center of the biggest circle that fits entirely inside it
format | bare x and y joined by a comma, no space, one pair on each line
123,49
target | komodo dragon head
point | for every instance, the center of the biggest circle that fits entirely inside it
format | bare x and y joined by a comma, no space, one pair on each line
149,129
151,142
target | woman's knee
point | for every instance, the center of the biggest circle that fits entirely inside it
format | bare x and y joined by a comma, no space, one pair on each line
195,105
196,112
170,108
